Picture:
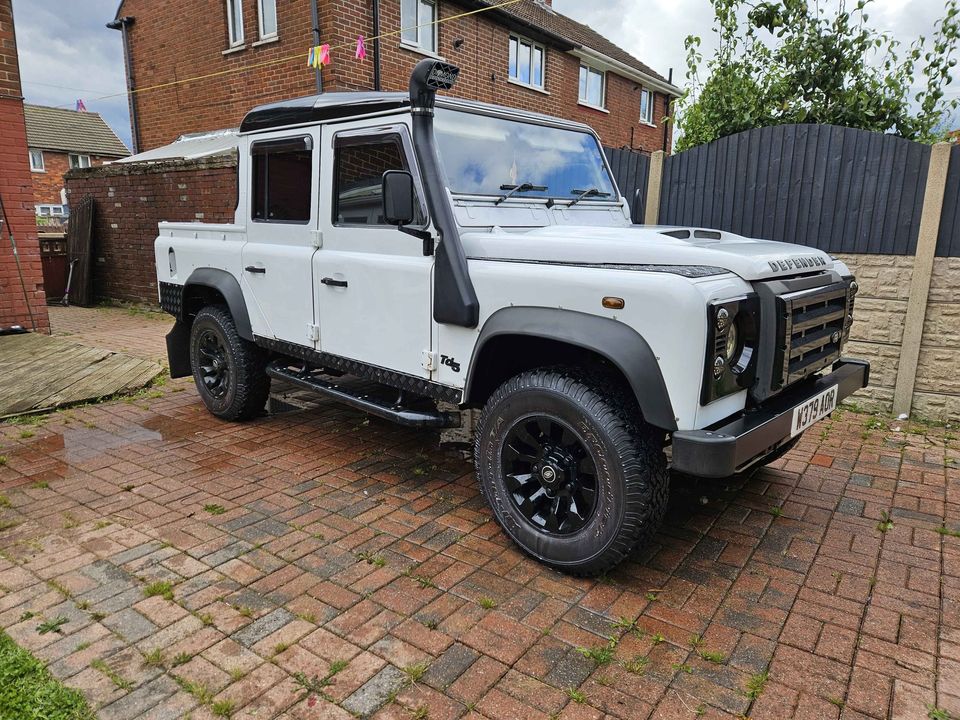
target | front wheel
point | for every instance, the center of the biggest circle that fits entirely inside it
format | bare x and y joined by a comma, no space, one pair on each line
230,372
573,474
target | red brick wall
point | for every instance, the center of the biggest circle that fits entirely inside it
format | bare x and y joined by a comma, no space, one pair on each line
131,200
17,193
169,43
47,184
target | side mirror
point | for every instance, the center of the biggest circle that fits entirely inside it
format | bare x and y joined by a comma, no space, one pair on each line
399,197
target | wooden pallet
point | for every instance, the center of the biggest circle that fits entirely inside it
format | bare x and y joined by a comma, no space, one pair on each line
39,372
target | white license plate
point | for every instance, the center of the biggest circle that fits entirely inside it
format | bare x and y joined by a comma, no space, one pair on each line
812,410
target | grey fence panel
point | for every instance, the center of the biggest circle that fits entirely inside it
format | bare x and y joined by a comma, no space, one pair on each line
837,189
948,241
631,171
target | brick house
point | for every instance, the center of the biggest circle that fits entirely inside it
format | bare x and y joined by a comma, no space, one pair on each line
21,303
525,55
61,140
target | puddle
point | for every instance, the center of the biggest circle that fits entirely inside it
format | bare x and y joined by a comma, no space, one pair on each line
168,428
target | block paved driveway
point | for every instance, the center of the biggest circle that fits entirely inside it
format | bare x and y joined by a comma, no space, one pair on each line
356,556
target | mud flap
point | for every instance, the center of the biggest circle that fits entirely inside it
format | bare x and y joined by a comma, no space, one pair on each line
178,350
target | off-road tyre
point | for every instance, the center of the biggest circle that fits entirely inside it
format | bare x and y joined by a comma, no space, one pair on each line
632,480
243,393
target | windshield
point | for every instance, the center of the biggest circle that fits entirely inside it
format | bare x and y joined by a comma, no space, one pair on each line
492,156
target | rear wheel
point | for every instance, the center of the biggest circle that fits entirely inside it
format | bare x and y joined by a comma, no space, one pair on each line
230,372
573,474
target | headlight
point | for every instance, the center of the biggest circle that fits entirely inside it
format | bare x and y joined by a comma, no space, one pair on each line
732,328
732,343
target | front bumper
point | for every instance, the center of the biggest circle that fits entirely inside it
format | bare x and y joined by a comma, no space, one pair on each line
725,450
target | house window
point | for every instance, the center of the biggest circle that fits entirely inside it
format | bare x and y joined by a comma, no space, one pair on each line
235,21
526,62
282,180
360,165
52,211
646,106
79,161
417,22
592,83
36,160
268,18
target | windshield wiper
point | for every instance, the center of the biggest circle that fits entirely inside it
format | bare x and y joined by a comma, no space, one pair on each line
514,189
581,194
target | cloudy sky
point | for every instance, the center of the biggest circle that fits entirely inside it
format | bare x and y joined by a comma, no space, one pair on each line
66,52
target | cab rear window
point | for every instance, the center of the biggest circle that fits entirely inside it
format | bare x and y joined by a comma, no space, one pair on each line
282,180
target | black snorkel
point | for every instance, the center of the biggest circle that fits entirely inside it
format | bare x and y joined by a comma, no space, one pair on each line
454,298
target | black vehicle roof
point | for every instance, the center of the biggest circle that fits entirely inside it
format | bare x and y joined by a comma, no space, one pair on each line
341,105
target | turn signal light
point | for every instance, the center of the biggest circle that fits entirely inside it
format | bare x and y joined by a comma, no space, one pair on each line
613,303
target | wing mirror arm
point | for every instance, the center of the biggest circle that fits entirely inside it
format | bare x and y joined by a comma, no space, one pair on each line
400,206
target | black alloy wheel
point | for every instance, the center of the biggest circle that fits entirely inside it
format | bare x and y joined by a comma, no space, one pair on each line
550,474
214,365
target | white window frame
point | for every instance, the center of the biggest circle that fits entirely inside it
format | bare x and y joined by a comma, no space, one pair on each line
276,19
584,100
651,102
530,47
79,161
51,211
235,6
406,22
33,166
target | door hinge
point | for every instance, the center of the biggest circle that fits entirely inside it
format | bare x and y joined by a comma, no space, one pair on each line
428,360
313,332
317,238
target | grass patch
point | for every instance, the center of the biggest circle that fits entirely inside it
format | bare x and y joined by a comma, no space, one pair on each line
316,686
49,626
115,677
3,460
935,713
8,524
27,690
160,588
487,603
944,530
756,684
713,656
638,665
576,695
154,658
26,434
214,509
415,672
180,659
222,708
600,654
885,522
372,559
4,501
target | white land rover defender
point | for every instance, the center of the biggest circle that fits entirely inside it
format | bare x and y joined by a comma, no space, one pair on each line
472,257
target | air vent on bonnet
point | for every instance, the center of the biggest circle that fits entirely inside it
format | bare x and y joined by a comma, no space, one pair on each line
697,234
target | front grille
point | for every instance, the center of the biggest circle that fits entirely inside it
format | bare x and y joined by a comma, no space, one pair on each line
812,327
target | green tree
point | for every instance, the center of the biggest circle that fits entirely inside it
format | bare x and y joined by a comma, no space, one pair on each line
793,61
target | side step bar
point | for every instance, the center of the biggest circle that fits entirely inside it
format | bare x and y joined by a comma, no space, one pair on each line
398,414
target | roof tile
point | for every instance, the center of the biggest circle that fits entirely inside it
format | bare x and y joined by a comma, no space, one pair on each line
50,128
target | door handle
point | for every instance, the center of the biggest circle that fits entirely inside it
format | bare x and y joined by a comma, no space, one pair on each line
333,283
255,269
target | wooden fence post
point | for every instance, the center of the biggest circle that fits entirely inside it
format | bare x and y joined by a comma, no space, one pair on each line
920,282
651,213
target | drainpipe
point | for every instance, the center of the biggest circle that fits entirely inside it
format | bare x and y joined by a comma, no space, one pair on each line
666,123
316,41
376,45
123,24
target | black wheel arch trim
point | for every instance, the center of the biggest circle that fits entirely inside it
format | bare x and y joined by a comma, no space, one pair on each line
623,346
228,286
